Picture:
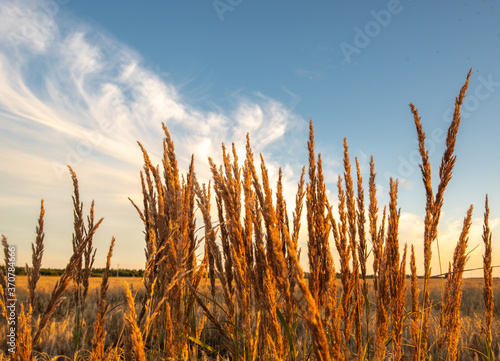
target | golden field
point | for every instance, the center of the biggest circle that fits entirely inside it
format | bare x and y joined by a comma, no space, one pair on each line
46,283
58,338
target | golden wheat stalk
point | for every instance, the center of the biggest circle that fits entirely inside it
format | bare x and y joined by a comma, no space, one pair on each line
452,297
310,312
33,274
382,304
3,308
362,246
83,269
434,202
273,233
24,342
319,226
98,341
78,236
227,184
373,216
56,297
216,266
346,310
351,216
396,269
135,349
415,309
275,275
488,274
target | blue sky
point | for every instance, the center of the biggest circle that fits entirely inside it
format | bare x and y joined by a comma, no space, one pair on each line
81,81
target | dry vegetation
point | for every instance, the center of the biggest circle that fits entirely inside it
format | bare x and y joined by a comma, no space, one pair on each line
248,297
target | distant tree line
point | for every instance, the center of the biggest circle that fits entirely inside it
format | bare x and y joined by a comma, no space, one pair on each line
96,272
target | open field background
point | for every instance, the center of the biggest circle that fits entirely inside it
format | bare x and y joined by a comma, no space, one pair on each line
47,283
58,337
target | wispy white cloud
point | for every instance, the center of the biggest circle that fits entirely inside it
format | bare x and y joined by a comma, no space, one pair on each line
27,24
72,95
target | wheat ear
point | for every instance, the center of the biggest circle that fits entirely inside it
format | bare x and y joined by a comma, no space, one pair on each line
488,274
99,333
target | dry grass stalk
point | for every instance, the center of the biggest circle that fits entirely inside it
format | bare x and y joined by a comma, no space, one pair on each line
299,201
373,216
415,309
331,312
250,204
189,221
309,311
135,345
425,168
150,238
98,352
83,269
256,337
344,249
171,270
88,257
382,304
228,263
216,267
3,308
33,274
281,212
396,269
435,202
284,232
353,243
488,274
362,246
452,297
227,185
61,285
78,235
24,346
398,308
278,267
275,275
3,280
322,275
318,226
